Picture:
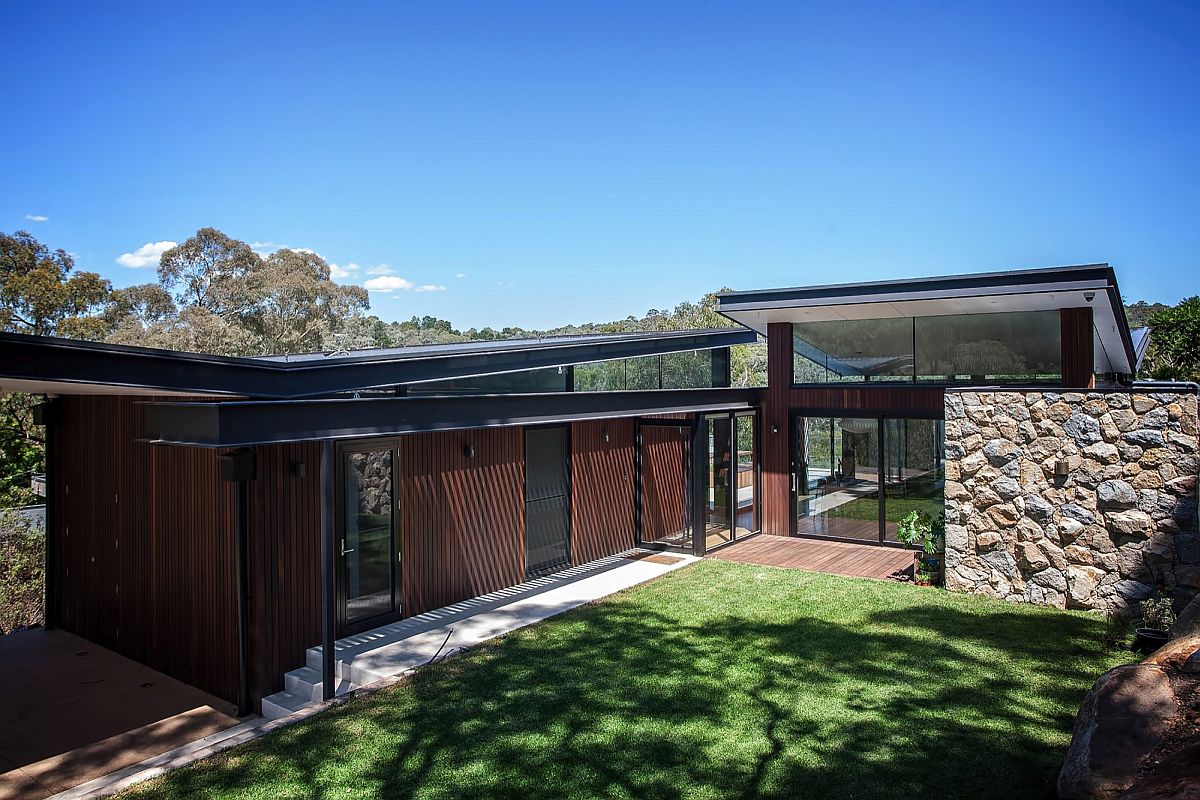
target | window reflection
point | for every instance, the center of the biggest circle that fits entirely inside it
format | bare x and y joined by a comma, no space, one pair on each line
976,348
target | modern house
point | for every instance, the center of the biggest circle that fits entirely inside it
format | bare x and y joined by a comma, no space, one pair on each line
216,517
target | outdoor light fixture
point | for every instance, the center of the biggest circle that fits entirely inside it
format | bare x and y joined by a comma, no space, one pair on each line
774,429
605,435
469,451
299,470
1062,468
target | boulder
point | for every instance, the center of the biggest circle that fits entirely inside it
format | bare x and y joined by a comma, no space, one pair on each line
1123,719
1173,779
1189,619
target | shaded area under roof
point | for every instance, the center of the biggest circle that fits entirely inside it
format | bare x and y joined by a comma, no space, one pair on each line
63,366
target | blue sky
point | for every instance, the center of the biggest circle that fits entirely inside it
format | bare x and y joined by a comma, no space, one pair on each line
544,163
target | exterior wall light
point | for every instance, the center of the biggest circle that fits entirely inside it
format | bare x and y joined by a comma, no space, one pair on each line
1062,468
774,429
605,436
469,451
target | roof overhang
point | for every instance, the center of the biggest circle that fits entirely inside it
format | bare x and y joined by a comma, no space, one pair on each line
244,423
67,366
1090,286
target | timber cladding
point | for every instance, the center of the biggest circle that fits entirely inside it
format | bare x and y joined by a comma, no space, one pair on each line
147,549
145,537
602,513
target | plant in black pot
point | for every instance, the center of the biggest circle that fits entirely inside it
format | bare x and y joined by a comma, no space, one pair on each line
918,529
1158,615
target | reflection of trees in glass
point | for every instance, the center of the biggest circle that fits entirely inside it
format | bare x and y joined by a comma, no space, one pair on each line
745,440
1014,344
688,370
603,376
1009,345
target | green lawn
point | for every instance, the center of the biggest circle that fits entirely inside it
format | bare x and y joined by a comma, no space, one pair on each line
718,681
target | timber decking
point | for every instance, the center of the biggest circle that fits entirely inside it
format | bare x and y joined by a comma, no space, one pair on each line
835,558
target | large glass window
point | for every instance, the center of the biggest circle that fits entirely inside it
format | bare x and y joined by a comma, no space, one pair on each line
696,369
840,476
1025,345
964,348
853,350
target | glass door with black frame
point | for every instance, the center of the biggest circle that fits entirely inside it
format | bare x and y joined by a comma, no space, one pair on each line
368,541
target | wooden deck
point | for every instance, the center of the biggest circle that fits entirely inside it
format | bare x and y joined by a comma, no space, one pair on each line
835,558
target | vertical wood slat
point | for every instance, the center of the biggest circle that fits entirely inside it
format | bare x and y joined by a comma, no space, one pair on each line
664,491
147,545
602,491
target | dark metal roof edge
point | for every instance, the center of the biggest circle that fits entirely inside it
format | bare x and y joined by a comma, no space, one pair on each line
977,280
736,335
243,423
34,358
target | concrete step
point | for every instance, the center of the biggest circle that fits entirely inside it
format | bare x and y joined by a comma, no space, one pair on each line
343,670
306,682
281,704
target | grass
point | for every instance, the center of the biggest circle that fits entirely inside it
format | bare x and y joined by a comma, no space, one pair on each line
720,680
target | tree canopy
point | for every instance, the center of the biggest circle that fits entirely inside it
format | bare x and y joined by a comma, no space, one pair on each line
1175,342
42,294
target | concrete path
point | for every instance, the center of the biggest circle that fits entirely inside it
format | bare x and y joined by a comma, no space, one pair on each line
397,648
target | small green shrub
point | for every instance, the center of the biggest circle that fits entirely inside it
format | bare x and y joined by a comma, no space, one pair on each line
919,529
1158,612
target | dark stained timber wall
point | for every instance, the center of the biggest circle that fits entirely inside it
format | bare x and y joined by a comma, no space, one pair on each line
147,532
285,562
146,541
1078,347
602,513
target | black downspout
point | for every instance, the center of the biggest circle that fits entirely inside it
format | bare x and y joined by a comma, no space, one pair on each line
243,579
327,568
239,467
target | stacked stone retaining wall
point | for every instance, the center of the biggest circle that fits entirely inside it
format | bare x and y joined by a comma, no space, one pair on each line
1119,524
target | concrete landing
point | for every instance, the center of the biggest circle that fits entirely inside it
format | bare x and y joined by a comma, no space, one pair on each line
400,647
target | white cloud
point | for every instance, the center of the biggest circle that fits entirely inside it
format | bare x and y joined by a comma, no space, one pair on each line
381,269
343,271
461,275
37,218
429,287
388,283
145,256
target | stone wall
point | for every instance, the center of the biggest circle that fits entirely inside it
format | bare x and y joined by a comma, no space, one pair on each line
1119,523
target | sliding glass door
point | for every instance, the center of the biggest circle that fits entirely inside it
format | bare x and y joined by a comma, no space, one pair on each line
856,477
838,477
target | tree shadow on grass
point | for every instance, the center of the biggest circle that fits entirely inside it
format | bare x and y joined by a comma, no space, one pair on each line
666,693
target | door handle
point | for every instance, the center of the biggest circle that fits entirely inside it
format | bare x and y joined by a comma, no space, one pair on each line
344,550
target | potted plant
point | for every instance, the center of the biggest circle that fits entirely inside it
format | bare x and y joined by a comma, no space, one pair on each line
918,529
1158,615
